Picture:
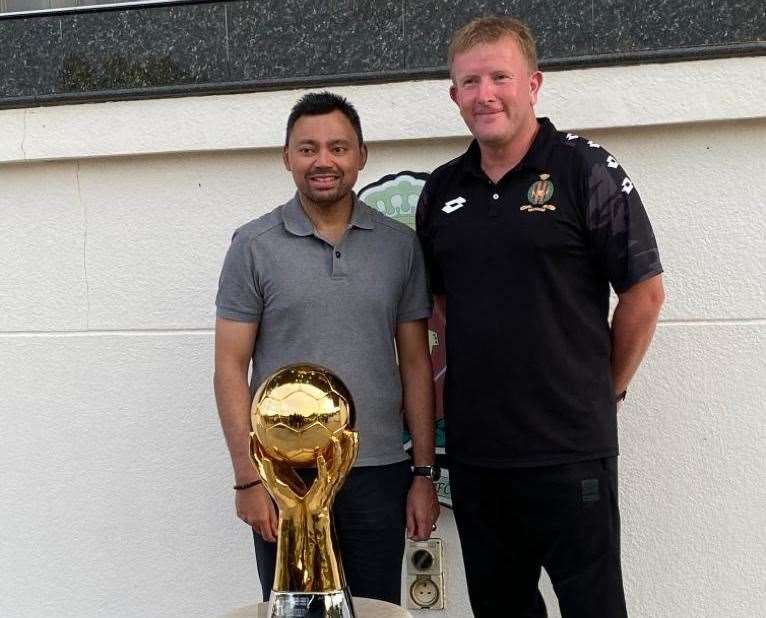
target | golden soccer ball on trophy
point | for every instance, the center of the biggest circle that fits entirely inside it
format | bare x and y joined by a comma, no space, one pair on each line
297,410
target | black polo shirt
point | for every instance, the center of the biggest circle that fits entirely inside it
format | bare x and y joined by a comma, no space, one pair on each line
526,266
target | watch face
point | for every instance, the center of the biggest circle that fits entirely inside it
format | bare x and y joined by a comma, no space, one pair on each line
432,472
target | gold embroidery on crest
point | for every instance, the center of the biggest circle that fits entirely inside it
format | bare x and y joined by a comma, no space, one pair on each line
539,193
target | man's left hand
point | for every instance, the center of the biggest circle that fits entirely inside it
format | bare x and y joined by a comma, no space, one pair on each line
422,509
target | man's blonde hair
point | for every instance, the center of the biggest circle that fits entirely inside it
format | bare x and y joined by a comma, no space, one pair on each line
490,30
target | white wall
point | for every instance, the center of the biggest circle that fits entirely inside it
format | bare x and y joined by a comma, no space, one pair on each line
115,497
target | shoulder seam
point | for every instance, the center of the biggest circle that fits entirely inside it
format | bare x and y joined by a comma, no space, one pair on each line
393,224
448,165
252,234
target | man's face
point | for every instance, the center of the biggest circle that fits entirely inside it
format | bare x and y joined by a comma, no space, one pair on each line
495,90
324,156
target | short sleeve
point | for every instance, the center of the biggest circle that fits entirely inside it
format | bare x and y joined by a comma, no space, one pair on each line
622,236
415,303
423,227
239,297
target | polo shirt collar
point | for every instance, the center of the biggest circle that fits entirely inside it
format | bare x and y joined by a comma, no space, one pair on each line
296,220
538,155
472,161
535,159
361,215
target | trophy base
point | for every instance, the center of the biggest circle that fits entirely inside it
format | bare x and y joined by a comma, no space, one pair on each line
335,604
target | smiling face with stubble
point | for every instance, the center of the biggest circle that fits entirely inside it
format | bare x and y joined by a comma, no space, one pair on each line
324,155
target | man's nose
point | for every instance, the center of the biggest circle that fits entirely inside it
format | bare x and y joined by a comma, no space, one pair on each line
486,89
324,158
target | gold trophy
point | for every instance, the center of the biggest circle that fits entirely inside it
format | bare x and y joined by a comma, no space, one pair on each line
302,417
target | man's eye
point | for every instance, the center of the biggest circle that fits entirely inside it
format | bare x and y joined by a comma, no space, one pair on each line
340,149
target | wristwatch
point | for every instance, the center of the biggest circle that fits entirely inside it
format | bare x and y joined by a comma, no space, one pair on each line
432,472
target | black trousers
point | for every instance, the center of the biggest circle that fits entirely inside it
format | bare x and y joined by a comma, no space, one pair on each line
370,521
513,521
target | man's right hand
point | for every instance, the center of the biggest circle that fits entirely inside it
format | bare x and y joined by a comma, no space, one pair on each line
256,508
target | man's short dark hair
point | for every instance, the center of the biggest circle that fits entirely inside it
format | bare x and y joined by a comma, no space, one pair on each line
318,103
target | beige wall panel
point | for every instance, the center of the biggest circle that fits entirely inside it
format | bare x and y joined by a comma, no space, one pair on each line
42,261
692,492
116,497
158,230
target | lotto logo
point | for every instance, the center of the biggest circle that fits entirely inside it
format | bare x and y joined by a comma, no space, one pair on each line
453,205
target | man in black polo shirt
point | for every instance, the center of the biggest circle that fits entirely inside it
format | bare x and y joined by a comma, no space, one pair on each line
523,235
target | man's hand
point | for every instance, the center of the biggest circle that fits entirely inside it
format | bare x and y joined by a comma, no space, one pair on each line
422,509
255,508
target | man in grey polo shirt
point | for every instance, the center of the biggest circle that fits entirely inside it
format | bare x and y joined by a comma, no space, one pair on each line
325,279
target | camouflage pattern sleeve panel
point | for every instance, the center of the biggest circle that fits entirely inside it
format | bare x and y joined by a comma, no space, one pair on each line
621,235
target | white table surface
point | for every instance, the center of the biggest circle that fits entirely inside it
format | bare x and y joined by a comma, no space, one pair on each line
364,608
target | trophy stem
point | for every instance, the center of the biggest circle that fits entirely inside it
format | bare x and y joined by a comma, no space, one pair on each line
307,560
334,604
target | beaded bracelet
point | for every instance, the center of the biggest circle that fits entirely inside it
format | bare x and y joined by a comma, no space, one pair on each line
247,485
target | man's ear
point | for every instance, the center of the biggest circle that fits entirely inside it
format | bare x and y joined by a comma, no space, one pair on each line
453,94
286,158
535,84
363,159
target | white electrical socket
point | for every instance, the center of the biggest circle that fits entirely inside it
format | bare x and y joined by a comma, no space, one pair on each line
425,574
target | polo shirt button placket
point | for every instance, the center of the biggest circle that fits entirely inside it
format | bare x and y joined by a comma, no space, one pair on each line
338,267
494,205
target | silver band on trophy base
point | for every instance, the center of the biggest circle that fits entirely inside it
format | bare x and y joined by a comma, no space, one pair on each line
311,605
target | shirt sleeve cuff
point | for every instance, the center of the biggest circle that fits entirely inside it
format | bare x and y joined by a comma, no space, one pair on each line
227,313
415,314
629,283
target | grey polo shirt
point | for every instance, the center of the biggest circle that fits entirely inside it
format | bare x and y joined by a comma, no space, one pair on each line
335,306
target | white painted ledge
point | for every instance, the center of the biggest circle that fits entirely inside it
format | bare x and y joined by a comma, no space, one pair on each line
596,98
